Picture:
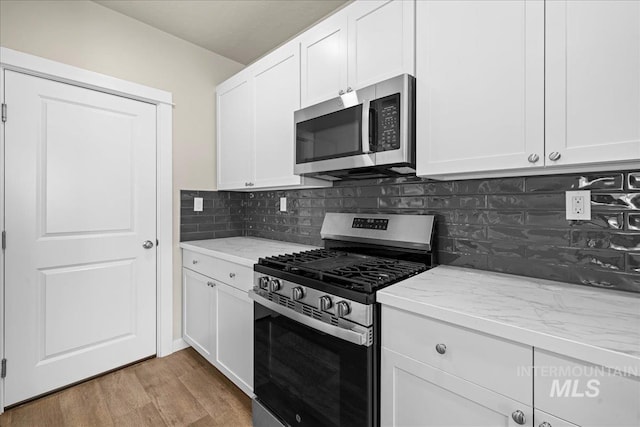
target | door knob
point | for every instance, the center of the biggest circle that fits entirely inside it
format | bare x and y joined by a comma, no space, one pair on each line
441,348
148,244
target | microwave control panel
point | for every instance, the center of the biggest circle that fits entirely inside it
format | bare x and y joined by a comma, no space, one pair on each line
388,123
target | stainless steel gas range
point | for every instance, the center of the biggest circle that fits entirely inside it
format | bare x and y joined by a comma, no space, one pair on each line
316,333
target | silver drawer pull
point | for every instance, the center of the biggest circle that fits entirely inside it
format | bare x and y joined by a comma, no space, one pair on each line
518,417
211,284
441,348
195,261
232,275
554,156
533,158
545,424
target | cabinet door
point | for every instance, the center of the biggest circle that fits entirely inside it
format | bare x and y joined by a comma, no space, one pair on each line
415,394
540,418
235,132
324,60
381,41
480,88
592,81
276,81
234,323
198,298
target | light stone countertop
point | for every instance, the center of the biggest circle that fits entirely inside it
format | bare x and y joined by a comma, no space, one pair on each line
243,250
599,326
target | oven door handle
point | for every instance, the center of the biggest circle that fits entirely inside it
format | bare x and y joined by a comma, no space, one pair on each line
357,334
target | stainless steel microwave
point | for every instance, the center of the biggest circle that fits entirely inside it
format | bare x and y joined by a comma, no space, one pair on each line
372,138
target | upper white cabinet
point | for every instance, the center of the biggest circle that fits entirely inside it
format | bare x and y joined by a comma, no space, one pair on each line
235,132
523,87
592,81
480,85
255,124
366,42
324,59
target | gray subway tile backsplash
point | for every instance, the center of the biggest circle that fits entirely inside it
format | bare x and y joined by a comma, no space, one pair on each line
512,225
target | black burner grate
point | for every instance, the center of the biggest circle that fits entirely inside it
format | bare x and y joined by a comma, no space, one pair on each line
352,271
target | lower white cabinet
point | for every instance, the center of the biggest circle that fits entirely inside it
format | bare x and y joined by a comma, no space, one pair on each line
417,394
197,312
540,418
234,333
218,318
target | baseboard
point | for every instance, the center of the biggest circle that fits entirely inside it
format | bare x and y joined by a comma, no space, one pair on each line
179,344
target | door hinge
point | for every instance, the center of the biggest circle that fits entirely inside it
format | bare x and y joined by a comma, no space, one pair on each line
3,374
4,240
4,112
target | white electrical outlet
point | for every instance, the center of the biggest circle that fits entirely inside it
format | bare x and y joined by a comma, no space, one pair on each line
283,204
197,204
578,205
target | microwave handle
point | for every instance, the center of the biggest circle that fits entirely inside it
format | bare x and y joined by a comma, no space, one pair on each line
366,105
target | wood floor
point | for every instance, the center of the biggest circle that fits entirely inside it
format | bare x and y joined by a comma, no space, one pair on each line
182,389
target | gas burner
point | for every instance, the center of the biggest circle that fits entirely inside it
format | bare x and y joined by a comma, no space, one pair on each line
363,273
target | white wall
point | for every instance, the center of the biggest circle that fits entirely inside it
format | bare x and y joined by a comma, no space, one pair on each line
87,35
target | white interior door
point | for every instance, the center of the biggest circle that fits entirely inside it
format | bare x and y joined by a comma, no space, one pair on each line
80,289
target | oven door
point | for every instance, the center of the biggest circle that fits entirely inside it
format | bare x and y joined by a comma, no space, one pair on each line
307,377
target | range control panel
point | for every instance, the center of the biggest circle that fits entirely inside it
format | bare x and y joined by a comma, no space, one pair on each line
371,223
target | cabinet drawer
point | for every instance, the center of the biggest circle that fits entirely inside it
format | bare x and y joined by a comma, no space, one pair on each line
585,394
236,275
482,359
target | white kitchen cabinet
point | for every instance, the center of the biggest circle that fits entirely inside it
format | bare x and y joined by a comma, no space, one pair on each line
324,59
592,81
256,139
197,309
541,417
362,44
480,87
235,132
527,87
585,394
234,331
218,315
416,394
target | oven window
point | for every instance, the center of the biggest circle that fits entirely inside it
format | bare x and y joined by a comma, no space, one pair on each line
309,378
334,135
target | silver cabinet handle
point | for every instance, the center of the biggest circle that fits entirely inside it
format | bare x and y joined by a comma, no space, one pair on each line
341,92
554,156
195,261
147,244
349,89
232,275
533,158
545,424
441,348
518,417
211,284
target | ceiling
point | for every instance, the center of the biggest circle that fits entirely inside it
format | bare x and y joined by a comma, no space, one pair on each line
242,30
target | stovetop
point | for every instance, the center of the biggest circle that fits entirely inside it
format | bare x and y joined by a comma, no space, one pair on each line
343,270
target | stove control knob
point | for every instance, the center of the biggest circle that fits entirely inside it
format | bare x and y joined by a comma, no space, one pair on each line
263,282
297,293
325,303
275,285
343,308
